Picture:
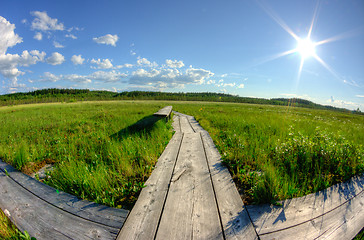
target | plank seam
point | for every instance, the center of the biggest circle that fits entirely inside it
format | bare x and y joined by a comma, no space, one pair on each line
213,187
190,125
251,221
169,185
55,205
316,216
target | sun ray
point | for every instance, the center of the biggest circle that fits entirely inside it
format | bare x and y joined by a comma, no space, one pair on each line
323,63
299,72
274,57
277,19
305,46
313,20
341,36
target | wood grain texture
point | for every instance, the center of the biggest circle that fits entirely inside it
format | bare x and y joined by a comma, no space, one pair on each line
190,211
144,218
341,223
185,125
89,210
234,216
45,221
294,211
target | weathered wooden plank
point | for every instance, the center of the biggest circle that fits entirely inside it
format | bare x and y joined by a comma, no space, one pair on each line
190,210
45,221
234,216
165,112
343,222
268,218
185,125
112,217
176,123
144,218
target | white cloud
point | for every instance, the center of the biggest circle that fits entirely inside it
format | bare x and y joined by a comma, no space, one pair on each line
146,62
211,81
241,86
174,63
126,65
57,45
9,63
344,104
24,21
102,63
71,36
38,36
198,75
169,78
77,59
361,96
100,76
132,52
55,59
8,37
229,85
108,39
43,22
112,76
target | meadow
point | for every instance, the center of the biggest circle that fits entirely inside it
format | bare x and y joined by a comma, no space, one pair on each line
276,152
97,151
272,152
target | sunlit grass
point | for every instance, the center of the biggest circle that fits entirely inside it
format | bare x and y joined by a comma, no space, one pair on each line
276,152
90,159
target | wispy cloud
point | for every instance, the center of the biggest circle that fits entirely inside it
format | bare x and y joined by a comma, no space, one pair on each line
57,45
71,36
100,76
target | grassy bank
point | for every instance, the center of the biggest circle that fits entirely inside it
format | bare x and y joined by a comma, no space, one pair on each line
96,154
276,152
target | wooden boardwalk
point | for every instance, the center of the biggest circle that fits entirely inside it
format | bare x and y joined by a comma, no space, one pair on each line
46,213
189,195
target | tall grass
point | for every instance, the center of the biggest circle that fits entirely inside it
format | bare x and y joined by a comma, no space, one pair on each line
94,154
277,152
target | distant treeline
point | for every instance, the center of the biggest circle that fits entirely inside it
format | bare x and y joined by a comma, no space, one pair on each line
73,95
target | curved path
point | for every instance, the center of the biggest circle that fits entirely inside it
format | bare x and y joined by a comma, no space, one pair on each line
189,195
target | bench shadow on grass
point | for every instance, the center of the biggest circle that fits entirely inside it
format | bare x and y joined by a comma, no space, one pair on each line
145,125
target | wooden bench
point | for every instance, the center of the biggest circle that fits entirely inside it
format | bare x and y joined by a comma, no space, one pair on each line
164,112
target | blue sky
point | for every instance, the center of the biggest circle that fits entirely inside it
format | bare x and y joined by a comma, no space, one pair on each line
246,48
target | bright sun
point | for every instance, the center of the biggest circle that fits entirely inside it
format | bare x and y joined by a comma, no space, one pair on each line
306,47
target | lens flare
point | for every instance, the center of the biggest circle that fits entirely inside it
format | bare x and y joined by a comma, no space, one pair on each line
305,46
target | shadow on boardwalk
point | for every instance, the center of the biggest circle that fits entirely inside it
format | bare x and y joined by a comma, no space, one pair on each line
333,213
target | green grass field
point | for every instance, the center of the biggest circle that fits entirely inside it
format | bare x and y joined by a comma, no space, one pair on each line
99,154
96,155
276,153
273,152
